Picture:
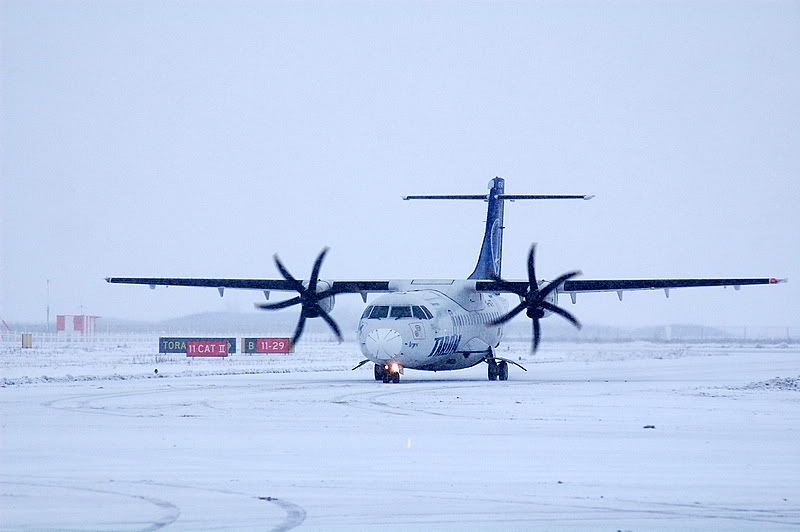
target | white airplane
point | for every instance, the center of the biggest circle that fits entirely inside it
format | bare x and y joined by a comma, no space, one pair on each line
442,324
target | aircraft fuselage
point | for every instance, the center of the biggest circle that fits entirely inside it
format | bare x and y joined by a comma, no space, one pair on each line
432,325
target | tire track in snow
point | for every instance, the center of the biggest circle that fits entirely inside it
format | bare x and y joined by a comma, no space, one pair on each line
295,514
171,511
374,401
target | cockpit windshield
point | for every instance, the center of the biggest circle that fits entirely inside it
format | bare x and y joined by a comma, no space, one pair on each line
378,312
419,313
400,312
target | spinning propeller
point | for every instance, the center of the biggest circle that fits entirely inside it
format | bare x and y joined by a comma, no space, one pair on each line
534,300
308,299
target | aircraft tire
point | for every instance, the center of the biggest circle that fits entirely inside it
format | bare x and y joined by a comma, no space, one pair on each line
379,372
396,378
493,370
386,377
502,370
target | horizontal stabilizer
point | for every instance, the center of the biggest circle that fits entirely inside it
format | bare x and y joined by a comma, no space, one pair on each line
483,197
514,197
510,197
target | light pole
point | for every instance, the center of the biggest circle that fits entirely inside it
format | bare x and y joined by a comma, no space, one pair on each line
48,306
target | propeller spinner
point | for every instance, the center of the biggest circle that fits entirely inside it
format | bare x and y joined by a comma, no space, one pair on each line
534,300
308,299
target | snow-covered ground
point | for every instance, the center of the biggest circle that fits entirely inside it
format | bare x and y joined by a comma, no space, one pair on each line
93,438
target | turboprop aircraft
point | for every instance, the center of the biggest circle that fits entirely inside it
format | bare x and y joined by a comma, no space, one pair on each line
443,324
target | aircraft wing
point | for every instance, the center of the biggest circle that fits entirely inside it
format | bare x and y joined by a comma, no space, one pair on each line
576,286
278,285
616,285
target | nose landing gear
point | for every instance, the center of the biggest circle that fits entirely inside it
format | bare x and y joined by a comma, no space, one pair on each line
388,373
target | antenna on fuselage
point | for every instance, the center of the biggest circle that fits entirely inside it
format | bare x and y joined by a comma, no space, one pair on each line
491,253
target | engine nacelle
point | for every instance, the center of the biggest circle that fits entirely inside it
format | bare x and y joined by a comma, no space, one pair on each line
551,298
328,303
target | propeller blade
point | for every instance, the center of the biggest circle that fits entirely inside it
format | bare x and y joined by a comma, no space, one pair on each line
298,332
561,312
505,286
312,282
288,276
537,334
552,285
507,317
280,304
325,316
534,285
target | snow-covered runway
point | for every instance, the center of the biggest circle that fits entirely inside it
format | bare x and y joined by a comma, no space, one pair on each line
262,445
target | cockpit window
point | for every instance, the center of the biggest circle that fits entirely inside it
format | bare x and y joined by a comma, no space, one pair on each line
366,312
400,312
378,312
418,313
427,312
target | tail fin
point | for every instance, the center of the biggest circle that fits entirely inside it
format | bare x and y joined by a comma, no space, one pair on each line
490,258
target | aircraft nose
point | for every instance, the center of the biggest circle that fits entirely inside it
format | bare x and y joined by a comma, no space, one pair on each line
384,343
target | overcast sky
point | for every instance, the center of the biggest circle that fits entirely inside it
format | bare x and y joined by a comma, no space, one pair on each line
199,138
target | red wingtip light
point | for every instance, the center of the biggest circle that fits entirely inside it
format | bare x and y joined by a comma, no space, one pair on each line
773,280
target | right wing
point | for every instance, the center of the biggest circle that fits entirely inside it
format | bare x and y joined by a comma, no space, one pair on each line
278,285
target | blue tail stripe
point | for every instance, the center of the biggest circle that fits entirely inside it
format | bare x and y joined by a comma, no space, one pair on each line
491,255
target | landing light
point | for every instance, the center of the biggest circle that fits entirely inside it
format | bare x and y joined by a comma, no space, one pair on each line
395,367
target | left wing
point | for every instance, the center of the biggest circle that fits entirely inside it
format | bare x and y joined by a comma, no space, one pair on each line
576,286
615,285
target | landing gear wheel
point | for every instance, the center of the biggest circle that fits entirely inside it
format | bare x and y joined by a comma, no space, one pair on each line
386,377
493,370
396,378
379,372
502,370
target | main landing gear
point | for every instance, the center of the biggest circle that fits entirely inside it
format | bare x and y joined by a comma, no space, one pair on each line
498,369
388,373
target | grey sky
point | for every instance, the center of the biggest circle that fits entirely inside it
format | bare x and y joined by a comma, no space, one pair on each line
198,138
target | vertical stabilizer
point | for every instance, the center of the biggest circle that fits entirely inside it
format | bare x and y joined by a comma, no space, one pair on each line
491,255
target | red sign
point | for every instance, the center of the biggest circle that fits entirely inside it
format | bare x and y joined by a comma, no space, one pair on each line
207,348
274,345
267,345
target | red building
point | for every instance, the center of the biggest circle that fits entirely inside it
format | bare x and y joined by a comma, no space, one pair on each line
77,325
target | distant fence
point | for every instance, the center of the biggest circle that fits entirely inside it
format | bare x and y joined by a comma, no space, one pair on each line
688,334
667,334
145,340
